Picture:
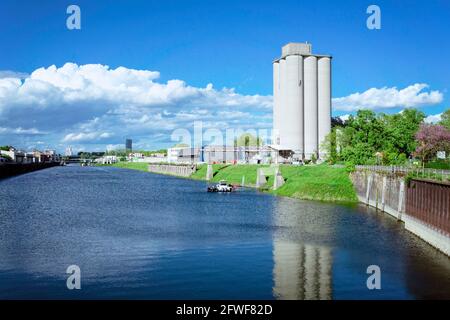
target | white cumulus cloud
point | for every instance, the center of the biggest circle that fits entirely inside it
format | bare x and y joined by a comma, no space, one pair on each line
21,131
96,104
86,136
382,98
433,118
121,86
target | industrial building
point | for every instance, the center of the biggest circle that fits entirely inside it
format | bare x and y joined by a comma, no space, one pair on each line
302,102
220,154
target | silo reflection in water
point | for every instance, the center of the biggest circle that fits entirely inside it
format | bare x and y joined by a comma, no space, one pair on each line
302,264
301,272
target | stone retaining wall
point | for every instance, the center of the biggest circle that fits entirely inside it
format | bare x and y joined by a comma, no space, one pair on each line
177,170
388,192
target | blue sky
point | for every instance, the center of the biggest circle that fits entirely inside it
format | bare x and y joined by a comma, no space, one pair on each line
229,44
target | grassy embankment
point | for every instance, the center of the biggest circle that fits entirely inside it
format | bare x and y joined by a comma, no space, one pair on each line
319,182
141,166
231,173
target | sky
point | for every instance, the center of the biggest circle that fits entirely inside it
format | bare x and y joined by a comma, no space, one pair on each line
143,69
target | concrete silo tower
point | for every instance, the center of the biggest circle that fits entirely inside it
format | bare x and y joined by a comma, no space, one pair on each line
302,101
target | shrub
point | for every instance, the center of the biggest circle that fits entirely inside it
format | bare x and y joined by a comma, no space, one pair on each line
349,167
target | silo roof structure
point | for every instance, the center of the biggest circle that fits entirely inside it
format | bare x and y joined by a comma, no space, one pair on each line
298,48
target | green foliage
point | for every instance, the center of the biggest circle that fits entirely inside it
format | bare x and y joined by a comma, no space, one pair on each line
5,148
248,140
118,153
90,155
427,175
370,138
330,146
438,164
400,131
445,119
150,153
5,156
349,167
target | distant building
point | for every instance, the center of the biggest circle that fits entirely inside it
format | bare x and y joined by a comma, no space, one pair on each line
221,154
52,155
153,158
106,160
11,153
128,145
19,156
69,152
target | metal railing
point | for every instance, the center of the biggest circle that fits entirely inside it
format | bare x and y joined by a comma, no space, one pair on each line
424,173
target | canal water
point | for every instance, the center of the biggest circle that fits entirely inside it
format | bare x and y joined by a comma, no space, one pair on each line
137,235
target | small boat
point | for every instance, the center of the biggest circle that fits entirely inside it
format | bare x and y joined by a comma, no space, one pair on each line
222,186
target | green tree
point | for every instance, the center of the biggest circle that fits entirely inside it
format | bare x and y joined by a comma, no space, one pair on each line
248,140
400,133
368,137
329,145
445,119
118,153
362,138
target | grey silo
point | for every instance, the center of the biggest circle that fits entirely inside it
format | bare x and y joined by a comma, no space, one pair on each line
302,100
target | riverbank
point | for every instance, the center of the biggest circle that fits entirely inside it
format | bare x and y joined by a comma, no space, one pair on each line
140,166
13,169
316,182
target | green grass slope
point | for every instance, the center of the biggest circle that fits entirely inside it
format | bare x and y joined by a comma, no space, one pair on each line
321,182
141,166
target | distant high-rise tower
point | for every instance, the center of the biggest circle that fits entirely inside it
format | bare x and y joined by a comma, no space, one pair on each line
302,100
69,152
129,145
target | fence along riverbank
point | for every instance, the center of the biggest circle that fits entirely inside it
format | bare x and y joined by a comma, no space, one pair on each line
422,204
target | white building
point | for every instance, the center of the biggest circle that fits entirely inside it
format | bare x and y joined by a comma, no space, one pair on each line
220,154
69,152
11,154
153,158
20,156
302,101
106,160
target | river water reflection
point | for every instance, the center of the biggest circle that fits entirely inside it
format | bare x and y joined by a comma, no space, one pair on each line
137,235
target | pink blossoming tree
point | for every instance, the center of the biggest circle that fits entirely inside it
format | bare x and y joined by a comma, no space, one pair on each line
431,139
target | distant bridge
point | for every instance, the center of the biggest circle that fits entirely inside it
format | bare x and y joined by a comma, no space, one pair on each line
77,159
